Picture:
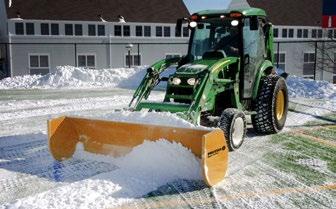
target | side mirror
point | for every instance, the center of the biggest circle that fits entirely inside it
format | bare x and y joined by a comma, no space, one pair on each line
179,25
246,59
254,23
267,28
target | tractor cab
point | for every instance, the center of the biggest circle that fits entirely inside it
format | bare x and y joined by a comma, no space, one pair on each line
220,34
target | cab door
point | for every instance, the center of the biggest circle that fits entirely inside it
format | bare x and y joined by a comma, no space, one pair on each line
254,52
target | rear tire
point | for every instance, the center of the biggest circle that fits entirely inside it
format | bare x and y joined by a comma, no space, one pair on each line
271,105
233,124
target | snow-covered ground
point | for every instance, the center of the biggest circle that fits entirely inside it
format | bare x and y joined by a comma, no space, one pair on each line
30,178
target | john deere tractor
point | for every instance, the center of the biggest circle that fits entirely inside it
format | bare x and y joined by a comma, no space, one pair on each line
227,74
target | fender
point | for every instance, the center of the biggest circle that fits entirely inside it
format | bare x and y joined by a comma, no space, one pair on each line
261,73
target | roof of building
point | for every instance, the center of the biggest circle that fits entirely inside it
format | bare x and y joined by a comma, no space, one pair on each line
291,12
156,11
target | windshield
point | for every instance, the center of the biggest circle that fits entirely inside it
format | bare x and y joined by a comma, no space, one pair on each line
215,35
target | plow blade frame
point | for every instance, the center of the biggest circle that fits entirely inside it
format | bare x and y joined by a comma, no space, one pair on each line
118,138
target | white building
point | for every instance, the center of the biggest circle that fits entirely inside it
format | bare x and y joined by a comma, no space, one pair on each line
37,36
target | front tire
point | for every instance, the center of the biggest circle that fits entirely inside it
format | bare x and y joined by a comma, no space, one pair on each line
233,124
271,106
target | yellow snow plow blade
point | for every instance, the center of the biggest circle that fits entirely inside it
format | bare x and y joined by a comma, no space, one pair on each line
118,139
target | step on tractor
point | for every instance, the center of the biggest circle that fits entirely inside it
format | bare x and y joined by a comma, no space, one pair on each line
227,74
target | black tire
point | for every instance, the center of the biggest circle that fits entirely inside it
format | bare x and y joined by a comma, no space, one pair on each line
227,124
267,120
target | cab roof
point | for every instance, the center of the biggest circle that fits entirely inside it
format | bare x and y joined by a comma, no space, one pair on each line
245,11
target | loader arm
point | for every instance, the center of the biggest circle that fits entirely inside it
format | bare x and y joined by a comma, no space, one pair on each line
207,90
150,80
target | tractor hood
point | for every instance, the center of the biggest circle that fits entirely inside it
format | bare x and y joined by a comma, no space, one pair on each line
199,66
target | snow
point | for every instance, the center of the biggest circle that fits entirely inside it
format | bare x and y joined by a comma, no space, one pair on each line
27,173
316,164
156,118
76,77
308,88
144,169
81,78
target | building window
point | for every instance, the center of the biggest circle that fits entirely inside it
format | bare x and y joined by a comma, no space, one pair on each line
19,28
275,32
314,33
54,29
38,64
170,56
147,31
78,30
320,33
284,33
138,30
127,30
185,32
166,31
44,29
68,29
91,30
158,31
117,30
290,33
280,60
132,60
86,60
299,33
330,34
101,30
30,29
334,33
305,33
308,65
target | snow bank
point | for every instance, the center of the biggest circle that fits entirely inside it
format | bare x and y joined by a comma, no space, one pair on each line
75,77
19,82
144,169
308,88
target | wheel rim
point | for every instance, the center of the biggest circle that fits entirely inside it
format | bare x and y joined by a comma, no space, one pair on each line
280,105
238,131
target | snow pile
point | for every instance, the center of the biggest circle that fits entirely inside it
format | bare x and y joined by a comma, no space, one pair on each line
308,88
156,118
22,82
144,169
75,77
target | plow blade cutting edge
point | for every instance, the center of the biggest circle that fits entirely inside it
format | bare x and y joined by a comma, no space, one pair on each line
118,139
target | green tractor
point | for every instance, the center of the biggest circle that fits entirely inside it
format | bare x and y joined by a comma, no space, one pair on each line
227,74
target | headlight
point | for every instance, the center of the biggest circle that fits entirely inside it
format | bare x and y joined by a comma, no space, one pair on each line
234,22
176,81
191,81
193,24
